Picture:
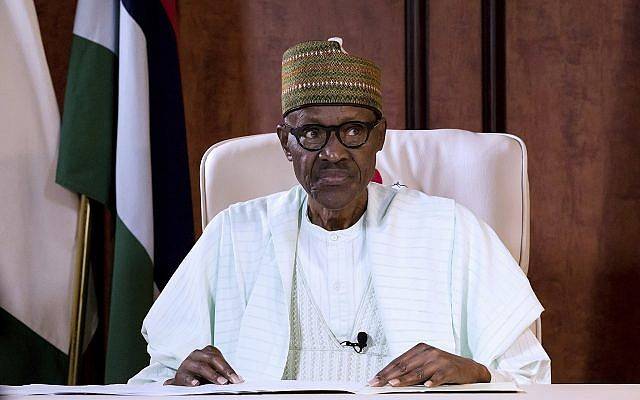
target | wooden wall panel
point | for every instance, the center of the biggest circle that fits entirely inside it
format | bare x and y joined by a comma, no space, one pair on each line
56,28
455,64
573,94
231,55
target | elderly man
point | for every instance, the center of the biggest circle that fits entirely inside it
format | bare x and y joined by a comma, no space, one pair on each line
339,278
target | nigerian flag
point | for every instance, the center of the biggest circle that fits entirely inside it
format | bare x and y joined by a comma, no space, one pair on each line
123,144
37,218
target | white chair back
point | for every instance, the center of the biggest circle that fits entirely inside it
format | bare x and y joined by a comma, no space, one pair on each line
486,172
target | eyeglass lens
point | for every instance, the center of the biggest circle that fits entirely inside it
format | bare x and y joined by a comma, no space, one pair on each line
351,134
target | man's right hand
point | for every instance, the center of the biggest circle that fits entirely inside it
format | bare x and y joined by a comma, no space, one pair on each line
204,366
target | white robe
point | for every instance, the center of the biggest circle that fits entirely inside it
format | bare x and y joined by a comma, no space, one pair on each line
441,277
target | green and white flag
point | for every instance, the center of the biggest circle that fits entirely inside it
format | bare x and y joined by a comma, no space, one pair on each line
123,144
87,143
104,110
38,217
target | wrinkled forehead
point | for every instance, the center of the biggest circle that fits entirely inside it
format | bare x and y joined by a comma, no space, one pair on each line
329,115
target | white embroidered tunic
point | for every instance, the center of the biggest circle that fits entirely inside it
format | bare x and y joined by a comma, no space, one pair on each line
316,354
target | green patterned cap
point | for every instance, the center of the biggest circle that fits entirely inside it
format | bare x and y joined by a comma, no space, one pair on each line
321,72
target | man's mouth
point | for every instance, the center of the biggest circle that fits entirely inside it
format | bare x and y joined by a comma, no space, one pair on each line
332,176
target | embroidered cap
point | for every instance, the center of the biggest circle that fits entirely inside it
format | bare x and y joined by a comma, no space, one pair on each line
321,73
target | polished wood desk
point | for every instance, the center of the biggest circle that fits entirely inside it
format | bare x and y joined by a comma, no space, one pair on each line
542,392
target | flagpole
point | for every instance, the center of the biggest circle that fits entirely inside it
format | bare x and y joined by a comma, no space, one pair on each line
80,289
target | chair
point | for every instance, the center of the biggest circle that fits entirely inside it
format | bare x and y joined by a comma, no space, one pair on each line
486,172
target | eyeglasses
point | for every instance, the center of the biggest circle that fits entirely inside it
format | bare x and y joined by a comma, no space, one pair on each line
351,134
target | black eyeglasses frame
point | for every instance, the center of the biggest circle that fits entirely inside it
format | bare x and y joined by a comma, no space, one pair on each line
296,132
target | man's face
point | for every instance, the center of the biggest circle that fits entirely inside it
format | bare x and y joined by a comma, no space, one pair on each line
334,175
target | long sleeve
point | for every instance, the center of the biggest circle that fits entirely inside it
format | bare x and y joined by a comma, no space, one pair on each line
524,362
182,319
494,305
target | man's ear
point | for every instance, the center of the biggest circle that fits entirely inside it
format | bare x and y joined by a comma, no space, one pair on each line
283,135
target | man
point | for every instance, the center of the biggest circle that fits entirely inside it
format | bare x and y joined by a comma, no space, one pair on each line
339,278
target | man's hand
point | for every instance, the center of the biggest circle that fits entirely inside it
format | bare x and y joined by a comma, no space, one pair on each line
431,366
204,366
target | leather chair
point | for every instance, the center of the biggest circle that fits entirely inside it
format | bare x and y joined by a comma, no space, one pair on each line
486,172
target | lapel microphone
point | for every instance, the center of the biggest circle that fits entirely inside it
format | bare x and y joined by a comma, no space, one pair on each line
360,345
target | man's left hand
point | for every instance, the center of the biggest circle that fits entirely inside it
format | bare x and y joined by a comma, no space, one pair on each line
431,366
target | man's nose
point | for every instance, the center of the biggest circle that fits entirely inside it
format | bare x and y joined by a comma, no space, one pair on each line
333,151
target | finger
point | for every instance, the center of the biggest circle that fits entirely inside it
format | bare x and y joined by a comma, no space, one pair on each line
440,377
201,364
206,371
415,375
404,367
169,381
221,365
418,354
184,378
200,368
400,365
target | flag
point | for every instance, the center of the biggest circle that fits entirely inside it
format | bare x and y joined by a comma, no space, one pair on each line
37,218
124,144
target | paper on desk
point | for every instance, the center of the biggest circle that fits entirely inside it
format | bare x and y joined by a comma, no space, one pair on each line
506,387
271,386
157,389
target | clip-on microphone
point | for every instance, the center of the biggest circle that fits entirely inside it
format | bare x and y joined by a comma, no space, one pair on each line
357,347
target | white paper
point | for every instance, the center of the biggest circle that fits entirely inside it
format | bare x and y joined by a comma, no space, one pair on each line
157,389
468,388
271,386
